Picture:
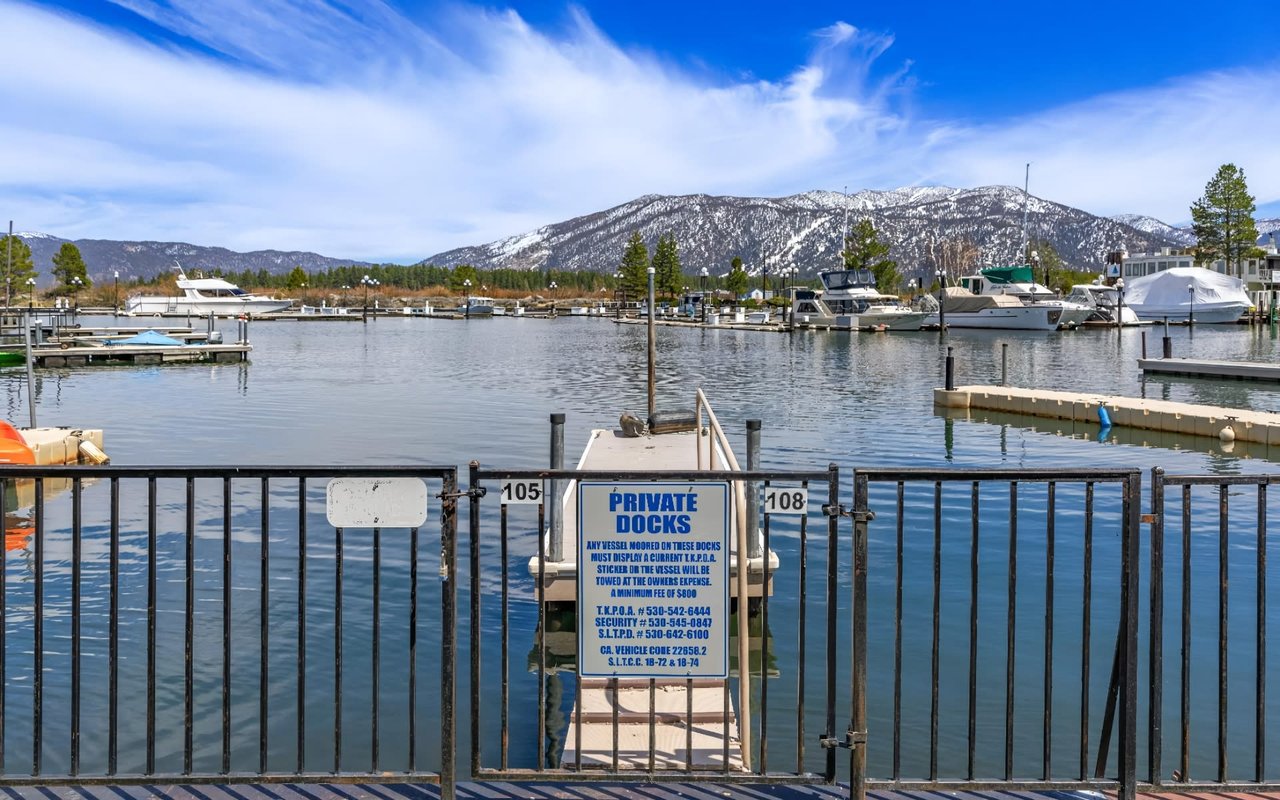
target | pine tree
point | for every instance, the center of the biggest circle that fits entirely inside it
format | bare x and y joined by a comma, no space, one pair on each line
635,266
16,263
668,277
1222,220
864,250
69,268
737,280
296,279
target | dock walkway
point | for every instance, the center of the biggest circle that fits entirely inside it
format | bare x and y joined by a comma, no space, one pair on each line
1209,368
1135,412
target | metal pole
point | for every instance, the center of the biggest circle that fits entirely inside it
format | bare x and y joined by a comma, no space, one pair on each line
755,546
1004,363
950,371
1168,343
31,377
8,270
942,302
554,518
1144,344
653,351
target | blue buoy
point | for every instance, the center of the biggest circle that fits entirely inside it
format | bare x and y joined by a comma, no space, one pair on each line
1104,419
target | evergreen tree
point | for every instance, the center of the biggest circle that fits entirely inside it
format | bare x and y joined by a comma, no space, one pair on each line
296,279
737,280
463,273
668,277
1222,220
864,250
635,266
16,263
69,265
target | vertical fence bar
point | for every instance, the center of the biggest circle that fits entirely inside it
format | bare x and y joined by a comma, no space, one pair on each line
1155,648
1222,632
113,635
76,553
1086,629
337,650
375,665
4,622
858,749
473,552
1047,755
973,630
833,554
189,632
301,662
1129,595
542,637
504,653
412,722
37,654
897,640
264,620
764,651
800,648
226,625
1184,755
1010,638
935,665
448,635
151,625
1260,718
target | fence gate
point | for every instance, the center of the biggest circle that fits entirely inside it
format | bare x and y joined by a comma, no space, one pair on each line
674,679
223,625
980,598
1208,603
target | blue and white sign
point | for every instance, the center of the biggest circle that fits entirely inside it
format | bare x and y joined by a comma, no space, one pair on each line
653,580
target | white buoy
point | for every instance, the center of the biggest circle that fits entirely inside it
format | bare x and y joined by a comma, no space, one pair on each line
1227,434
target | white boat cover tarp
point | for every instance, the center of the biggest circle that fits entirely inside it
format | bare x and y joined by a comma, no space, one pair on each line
1166,292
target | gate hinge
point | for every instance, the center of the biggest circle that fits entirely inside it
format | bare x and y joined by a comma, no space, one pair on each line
474,494
852,739
865,515
1149,519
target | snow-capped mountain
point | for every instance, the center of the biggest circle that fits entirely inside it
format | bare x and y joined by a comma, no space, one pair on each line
1183,236
804,231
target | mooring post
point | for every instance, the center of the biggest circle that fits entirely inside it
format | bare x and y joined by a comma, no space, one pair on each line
950,371
554,517
1004,363
31,375
653,351
209,329
1144,344
755,544
1168,343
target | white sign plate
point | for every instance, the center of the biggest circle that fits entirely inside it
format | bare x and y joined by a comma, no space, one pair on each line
376,502
786,500
653,579
521,492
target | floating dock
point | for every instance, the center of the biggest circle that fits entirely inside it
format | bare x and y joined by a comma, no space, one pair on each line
1134,412
83,355
1208,368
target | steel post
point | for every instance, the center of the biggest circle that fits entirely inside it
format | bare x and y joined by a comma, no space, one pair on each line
555,519
755,547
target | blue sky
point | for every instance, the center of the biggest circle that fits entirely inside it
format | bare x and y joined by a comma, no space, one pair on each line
382,130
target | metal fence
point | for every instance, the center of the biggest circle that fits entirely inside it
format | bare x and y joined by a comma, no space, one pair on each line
200,624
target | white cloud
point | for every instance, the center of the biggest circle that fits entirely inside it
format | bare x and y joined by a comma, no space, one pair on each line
349,130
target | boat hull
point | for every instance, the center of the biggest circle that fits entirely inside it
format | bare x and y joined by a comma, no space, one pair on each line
1203,314
1022,319
899,321
224,308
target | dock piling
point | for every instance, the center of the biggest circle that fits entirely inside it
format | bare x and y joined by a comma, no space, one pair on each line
950,371
1004,363
555,520
755,547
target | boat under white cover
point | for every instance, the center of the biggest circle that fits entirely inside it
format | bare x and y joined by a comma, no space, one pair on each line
1183,293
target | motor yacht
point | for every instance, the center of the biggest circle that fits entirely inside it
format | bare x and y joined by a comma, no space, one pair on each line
854,301
1106,304
202,295
1019,282
475,306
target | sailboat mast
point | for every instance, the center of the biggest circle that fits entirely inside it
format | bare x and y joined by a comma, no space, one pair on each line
1026,184
844,231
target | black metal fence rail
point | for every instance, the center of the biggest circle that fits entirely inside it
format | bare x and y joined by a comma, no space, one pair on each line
1209,553
824,486
145,595
974,533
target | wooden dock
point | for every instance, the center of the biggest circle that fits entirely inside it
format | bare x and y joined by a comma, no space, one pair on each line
81,355
1208,368
1134,412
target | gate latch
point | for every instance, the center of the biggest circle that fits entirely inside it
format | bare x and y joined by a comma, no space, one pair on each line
840,511
852,739
474,494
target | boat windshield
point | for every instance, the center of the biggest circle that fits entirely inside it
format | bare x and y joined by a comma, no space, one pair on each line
848,279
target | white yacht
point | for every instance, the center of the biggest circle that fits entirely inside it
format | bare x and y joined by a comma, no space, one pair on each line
854,301
1105,302
476,307
1020,282
962,308
202,295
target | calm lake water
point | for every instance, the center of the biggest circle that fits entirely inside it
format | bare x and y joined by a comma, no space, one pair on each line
417,391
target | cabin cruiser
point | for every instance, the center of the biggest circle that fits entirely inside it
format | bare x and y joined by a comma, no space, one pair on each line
852,299
202,295
1020,282
1187,294
476,307
1107,305
962,308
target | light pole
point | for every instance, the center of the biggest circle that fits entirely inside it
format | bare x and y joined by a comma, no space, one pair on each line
466,300
366,281
911,291
115,291
1119,302
623,286
31,293
74,284
551,290
702,278
1191,313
